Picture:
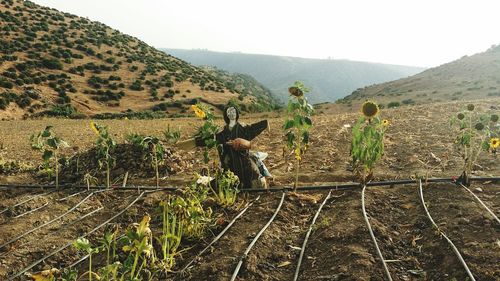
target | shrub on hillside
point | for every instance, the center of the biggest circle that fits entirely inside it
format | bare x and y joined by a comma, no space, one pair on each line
393,104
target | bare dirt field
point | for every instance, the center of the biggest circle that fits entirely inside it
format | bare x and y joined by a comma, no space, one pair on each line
339,247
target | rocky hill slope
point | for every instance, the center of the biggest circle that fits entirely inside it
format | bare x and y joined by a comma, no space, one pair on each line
468,78
58,64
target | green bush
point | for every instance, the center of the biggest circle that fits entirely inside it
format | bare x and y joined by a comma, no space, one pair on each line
393,104
52,63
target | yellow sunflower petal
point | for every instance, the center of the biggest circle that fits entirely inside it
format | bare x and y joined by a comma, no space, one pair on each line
94,128
494,143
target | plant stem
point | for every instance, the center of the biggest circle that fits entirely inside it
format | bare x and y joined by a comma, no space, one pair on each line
57,169
107,173
90,267
136,259
156,167
297,170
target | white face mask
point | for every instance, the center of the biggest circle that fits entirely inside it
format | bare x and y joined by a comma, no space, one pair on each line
231,113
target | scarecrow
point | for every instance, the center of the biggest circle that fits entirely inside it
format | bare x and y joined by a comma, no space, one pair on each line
233,145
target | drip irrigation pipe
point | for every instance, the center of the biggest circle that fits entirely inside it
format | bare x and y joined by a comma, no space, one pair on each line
49,222
220,234
47,203
272,189
302,250
237,269
357,185
61,228
32,211
482,203
71,243
457,253
25,201
84,216
71,195
379,253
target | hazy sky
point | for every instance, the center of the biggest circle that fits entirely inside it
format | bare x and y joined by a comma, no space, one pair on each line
417,32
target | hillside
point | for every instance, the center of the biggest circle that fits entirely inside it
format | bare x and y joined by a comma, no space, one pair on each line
58,64
328,79
468,78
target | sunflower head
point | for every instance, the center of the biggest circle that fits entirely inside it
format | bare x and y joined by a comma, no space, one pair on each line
494,118
200,113
385,122
470,107
494,143
369,109
479,126
295,91
460,116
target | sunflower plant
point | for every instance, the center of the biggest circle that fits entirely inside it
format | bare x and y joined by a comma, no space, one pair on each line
207,131
298,123
476,133
367,145
105,147
154,151
50,144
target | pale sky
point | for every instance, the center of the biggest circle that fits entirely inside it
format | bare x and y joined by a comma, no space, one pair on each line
418,32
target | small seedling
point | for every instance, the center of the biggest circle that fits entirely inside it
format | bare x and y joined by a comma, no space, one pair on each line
105,147
83,244
50,144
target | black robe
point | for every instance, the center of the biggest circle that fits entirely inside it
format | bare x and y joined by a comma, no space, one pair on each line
238,161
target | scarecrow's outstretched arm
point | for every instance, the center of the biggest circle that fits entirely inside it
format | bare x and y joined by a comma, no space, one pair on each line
253,130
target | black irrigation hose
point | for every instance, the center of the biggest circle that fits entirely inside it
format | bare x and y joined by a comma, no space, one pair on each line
71,243
49,222
68,186
84,216
273,189
32,211
482,203
357,185
237,269
45,205
302,250
379,253
25,201
220,234
457,253
71,195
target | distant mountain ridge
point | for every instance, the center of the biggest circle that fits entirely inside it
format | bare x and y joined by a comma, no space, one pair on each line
329,80
467,78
